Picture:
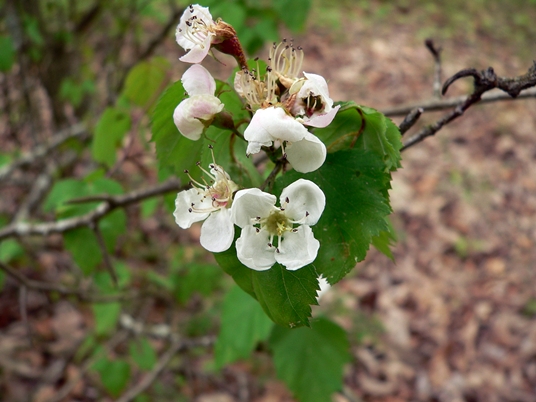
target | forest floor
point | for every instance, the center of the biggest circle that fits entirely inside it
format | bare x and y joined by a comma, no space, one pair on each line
458,305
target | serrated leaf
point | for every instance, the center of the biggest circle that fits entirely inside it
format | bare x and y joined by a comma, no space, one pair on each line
173,150
382,137
106,317
109,132
243,325
311,360
362,127
385,240
7,53
285,296
144,80
114,375
355,184
143,354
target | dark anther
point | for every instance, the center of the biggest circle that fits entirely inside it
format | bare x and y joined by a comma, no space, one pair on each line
210,147
306,213
287,200
186,171
189,209
257,230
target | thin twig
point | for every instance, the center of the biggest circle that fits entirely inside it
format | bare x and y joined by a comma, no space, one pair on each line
81,294
175,347
436,53
410,120
104,251
107,206
41,151
118,338
483,81
433,105
269,182
41,185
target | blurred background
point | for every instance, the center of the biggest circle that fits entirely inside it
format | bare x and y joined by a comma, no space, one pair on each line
451,319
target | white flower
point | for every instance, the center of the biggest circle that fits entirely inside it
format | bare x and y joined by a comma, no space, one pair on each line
195,33
312,105
302,204
304,151
196,112
211,202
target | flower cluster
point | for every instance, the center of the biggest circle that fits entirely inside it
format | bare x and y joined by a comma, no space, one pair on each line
284,102
269,234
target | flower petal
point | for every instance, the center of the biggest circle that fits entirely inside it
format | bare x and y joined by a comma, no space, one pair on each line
253,251
183,203
320,120
306,155
318,86
198,81
193,39
304,198
249,204
217,232
297,249
189,112
272,124
198,52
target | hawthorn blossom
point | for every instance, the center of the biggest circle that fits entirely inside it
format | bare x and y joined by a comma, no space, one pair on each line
282,235
312,105
304,151
197,32
195,113
210,202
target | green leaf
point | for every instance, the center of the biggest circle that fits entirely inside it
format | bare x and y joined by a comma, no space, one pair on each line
7,53
285,296
84,247
311,360
114,375
112,226
385,240
172,148
360,127
239,167
106,317
10,249
355,184
202,278
243,325
109,132
143,354
63,191
382,137
144,81
293,13
104,282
